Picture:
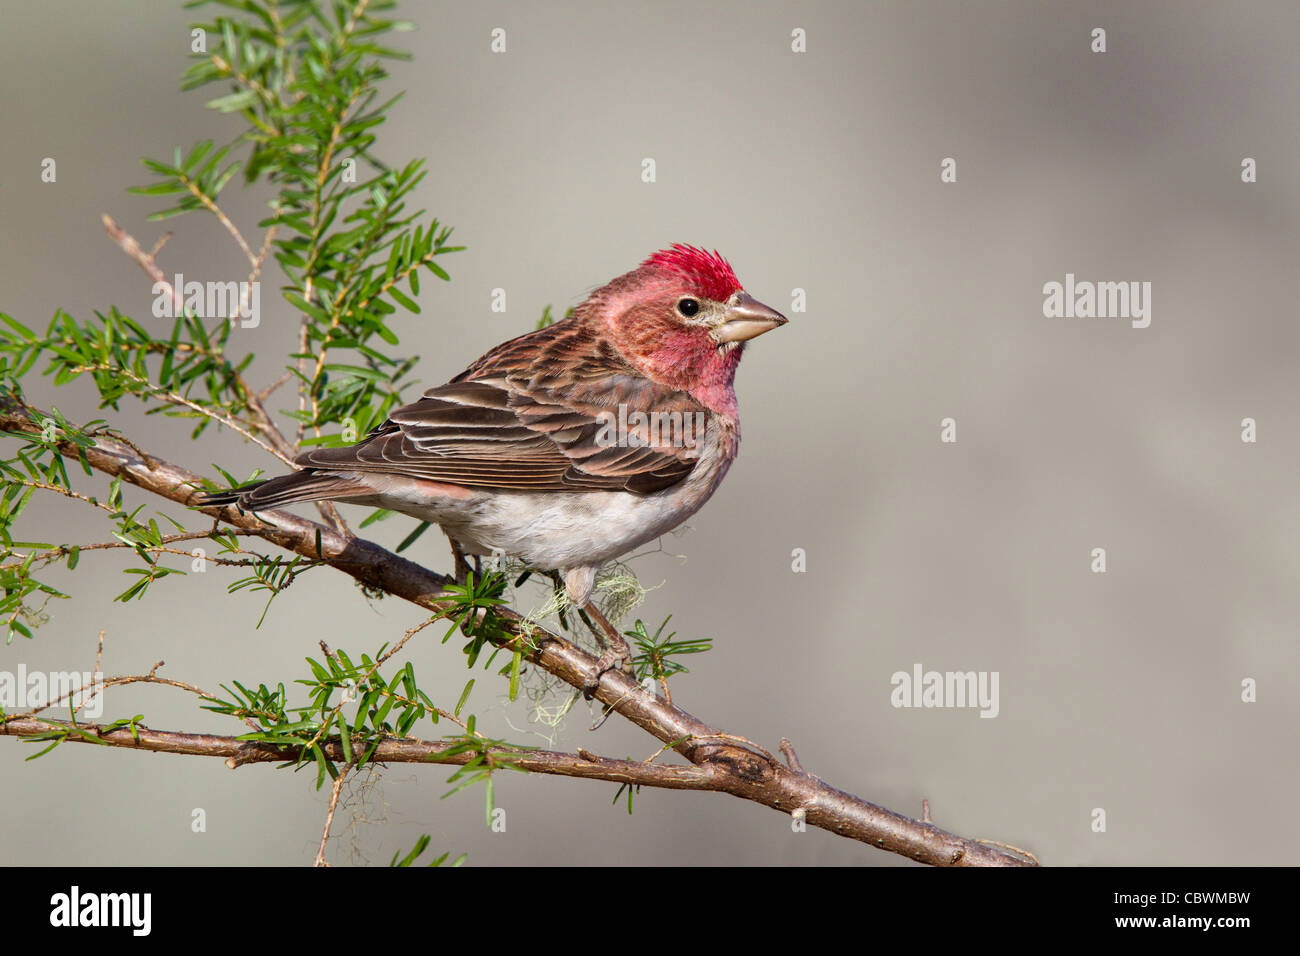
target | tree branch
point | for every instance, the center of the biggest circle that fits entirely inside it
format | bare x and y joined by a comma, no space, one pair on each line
239,752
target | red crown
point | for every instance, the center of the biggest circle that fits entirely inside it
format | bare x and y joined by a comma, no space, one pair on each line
708,273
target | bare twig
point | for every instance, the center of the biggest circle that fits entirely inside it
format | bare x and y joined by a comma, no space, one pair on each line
791,758
210,205
329,815
265,393
175,398
59,489
157,246
144,260
99,654
46,556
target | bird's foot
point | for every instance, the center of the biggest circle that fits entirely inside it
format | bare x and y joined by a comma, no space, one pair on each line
614,656
616,651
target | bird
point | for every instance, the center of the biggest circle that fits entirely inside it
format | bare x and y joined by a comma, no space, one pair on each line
570,445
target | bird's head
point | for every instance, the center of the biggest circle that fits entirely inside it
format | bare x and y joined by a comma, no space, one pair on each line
682,318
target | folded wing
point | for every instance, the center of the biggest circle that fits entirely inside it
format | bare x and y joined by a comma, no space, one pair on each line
555,410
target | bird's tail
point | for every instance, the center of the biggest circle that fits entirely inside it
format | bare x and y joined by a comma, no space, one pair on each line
289,489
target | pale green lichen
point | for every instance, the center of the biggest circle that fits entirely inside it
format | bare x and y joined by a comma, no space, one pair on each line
617,593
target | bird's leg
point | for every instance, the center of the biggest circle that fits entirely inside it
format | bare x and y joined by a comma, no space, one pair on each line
460,567
615,649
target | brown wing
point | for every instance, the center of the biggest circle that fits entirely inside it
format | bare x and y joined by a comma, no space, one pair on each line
538,413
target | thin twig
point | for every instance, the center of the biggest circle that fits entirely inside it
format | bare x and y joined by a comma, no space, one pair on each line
265,393
791,758
144,260
210,205
329,815
45,557
175,398
157,246
59,489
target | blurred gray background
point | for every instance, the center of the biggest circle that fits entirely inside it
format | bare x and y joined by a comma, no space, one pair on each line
817,171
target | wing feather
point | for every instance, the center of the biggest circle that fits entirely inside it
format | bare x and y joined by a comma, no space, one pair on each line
533,414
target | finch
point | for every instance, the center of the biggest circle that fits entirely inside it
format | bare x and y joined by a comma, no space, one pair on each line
567,446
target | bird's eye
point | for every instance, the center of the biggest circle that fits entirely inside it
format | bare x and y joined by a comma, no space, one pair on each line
688,307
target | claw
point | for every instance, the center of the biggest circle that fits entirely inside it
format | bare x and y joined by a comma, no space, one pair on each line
612,657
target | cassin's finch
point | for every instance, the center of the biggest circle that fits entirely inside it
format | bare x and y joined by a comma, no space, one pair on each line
568,446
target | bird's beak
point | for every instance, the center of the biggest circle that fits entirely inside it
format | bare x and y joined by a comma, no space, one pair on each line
746,319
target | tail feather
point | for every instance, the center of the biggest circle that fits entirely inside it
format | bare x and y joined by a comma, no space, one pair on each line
208,499
285,490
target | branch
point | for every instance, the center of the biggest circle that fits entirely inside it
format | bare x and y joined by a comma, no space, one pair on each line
210,205
329,815
145,260
175,398
239,752
44,557
66,492
729,766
